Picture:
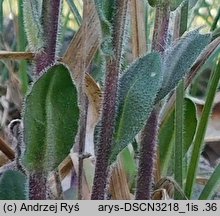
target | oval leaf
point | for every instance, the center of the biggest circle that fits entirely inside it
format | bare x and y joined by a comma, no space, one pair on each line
179,59
50,119
138,88
13,186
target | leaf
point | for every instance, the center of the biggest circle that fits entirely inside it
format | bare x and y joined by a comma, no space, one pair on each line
105,13
31,11
1,15
174,4
50,119
89,172
179,59
138,88
126,158
166,134
21,45
153,3
166,141
212,185
192,3
201,130
13,186
190,123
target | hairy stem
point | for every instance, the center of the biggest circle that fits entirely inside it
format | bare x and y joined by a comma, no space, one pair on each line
149,133
109,102
107,129
161,27
37,186
50,21
147,153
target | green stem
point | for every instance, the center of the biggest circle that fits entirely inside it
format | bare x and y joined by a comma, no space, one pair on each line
200,133
179,123
179,114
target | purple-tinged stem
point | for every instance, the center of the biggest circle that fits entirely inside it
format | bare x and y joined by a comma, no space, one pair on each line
109,103
161,28
50,21
147,155
106,134
149,133
37,186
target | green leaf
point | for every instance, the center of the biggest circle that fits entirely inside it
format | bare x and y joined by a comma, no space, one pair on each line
138,88
212,185
174,4
153,3
50,119
179,138
190,123
105,12
13,186
1,15
32,14
126,156
179,59
200,132
166,141
192,3
166,134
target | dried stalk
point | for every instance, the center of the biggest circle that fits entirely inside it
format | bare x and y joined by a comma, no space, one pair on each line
16,55
7,150
139,46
